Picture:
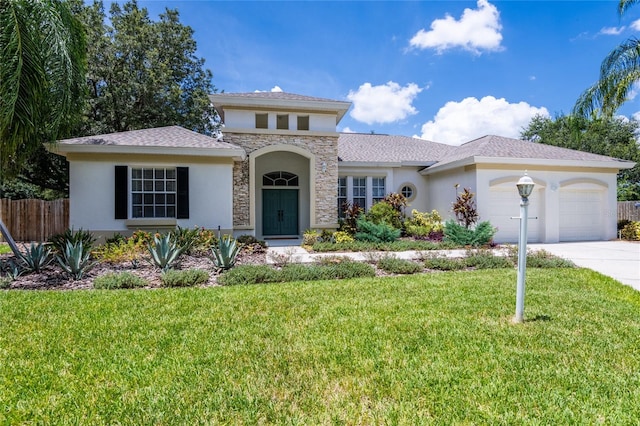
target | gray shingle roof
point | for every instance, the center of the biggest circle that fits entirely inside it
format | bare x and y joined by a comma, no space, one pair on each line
359,147
170,137
501,147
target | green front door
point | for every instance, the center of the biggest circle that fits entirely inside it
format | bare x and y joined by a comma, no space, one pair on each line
280,211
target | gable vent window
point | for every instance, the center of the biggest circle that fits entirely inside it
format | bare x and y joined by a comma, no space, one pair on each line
303,122
262,121
153,192
280,179
282,122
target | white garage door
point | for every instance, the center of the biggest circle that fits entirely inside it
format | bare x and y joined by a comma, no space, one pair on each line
504,203
581,217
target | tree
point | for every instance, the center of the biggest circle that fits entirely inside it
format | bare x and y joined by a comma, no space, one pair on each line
615,137
143,73
619,71
42,68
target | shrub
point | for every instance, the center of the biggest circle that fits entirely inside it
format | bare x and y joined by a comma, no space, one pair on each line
245,240
116,238
423,224
120,251
544,259
372,232
631,231
352,212
75,260
465,208
36,257
397,201
119,280
478,236
164,252
143,238
59,241
327,236
444,264
341,237
310,237
399,266
196,240
384,213
486,259
347,270
249,274
622,223
5,283
11,269
225,253
186,278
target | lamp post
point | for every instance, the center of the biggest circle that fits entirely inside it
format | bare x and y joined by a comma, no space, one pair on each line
525,188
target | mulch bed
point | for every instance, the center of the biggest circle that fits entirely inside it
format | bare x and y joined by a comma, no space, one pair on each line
53,278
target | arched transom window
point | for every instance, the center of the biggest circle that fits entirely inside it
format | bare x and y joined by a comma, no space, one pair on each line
280,179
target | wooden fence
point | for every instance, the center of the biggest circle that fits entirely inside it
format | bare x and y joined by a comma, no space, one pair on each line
627,210
34,220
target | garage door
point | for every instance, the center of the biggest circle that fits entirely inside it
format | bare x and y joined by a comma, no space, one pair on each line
504,203
581,217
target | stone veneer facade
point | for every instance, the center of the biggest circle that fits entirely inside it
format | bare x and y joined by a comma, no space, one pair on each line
325,149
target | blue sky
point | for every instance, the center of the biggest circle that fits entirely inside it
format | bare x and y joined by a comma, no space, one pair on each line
448,71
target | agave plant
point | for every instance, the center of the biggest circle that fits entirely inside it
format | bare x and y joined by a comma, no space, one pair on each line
75,260
164,252
225,252
10,268
36,257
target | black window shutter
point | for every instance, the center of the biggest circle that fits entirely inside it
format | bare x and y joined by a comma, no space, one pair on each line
182,195
121,193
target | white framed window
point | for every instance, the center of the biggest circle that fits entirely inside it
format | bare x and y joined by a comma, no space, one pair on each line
360,192
342,195
377,189
153,192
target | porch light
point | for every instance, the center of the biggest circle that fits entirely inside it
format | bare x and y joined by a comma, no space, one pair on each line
525,188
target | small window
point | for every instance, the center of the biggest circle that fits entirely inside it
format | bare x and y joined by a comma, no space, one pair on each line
282,122
377,189
360,192
409,191
303,122
279,179
342,195
262,121
153,192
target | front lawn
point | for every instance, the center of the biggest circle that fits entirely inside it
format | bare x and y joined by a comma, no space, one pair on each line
432,348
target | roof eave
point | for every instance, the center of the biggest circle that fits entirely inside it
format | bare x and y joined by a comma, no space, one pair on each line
236,154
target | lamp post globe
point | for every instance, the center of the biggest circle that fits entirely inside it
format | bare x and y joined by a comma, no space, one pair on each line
525,188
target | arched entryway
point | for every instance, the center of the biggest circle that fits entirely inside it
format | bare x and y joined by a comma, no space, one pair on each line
282,188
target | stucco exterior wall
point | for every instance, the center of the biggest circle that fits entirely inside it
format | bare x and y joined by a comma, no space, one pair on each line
322,150
92,195
246,119
441,192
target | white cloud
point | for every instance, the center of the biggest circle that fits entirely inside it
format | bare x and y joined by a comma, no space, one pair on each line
532,78
636,25
348,130
273,89
383,104
459,122
475,31
612,30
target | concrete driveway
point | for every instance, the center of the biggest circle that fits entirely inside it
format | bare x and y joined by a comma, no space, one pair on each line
617,259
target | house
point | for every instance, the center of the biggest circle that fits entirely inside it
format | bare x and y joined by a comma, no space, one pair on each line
281,168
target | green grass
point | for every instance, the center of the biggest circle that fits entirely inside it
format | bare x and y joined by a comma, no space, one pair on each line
4,248
433,348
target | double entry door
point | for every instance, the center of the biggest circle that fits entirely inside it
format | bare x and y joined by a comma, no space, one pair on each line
280,212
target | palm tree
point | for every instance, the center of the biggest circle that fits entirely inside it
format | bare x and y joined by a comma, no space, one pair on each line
619,71
42,73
